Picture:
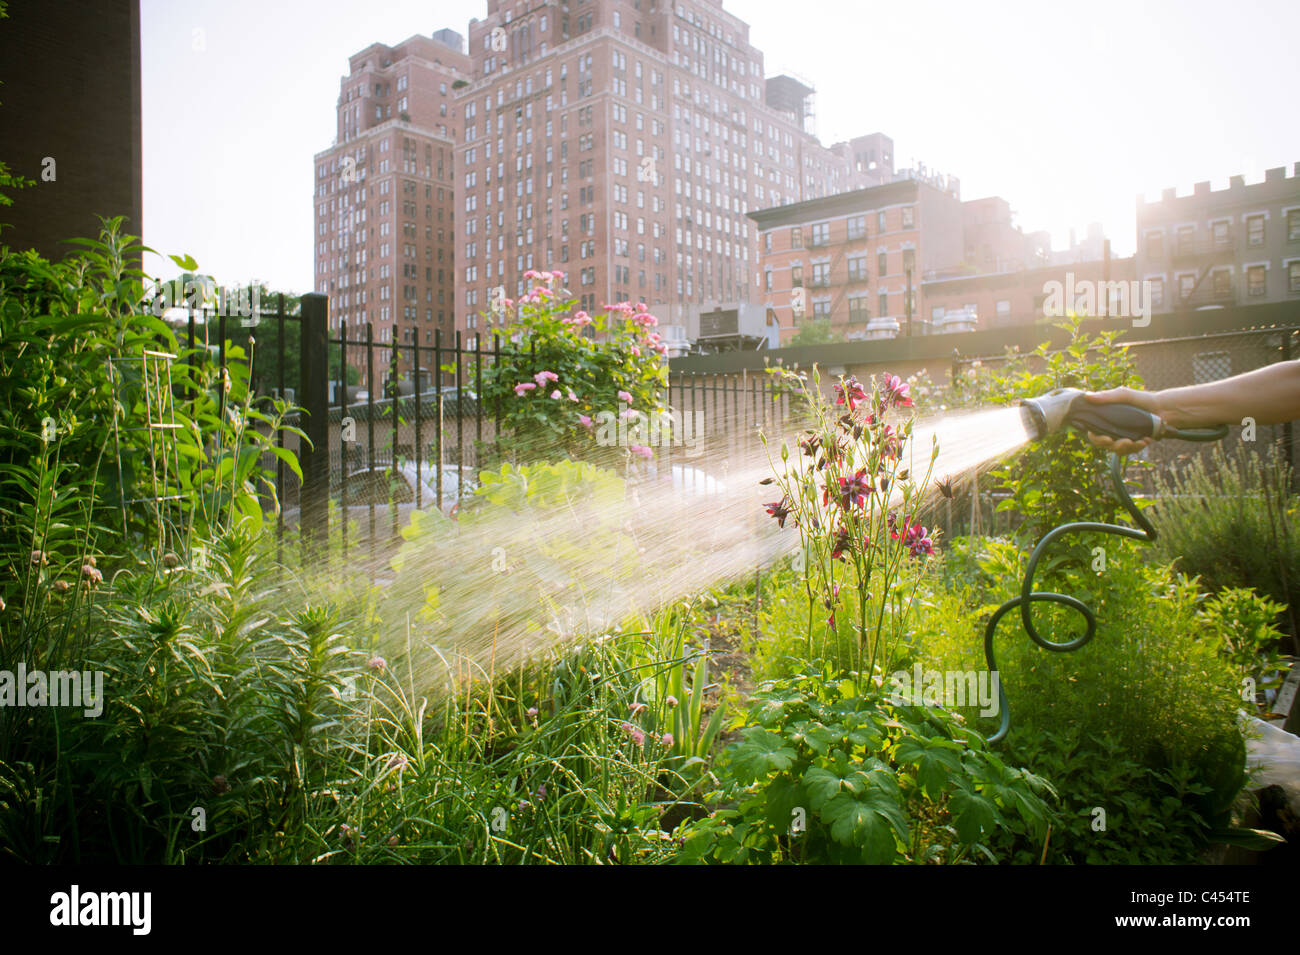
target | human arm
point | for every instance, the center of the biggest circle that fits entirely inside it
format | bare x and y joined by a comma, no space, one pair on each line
1269,395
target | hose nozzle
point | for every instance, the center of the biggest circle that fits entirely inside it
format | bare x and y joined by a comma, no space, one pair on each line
1064,407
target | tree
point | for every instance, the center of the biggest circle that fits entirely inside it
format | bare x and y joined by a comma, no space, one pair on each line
816,332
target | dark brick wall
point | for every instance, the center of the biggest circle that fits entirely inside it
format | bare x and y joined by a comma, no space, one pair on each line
71,91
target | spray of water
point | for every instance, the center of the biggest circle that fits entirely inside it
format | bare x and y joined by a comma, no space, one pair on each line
472,599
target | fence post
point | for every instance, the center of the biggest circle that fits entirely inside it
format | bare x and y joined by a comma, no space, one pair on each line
1288,444
313,380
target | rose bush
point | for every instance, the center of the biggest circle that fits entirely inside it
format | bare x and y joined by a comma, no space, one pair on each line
568,379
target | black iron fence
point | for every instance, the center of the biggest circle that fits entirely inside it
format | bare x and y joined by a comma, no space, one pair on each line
411,430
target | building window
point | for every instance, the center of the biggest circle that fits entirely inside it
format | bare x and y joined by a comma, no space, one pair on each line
821,275
1186,282
796,238
1184,239
796,276
858,311
1156,292
908,216
1155,245
1222,282
767,242
821,234
1254,230
884,304
857,227
1255,280
1293,276
1293,225
858,269
822,310
880,221
1222,234
882,264
767,280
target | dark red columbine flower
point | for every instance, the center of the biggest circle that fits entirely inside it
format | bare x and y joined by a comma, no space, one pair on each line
832,452
852,491
918,540
891,442
779,511
851,426
897,392
850,392
893,526
841,543
810,444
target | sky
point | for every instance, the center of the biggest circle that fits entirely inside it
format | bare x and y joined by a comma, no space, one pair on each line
1067,110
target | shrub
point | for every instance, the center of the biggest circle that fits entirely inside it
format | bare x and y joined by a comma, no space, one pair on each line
1230,520
1062,477
1153,684
568,375
1243,622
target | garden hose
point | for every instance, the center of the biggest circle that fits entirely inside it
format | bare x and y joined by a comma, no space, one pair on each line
1047,414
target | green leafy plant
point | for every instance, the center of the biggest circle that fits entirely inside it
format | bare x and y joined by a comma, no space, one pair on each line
826,773
674,699
1154,681
1061,477
1115,807
1245,623
816,332
1230,519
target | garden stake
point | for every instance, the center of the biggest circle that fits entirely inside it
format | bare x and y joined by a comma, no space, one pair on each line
1048,414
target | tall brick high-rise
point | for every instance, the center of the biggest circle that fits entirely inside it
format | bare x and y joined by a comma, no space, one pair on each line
384,196
620,141
623,142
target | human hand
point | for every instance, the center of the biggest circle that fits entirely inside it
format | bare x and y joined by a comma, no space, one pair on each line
1126,396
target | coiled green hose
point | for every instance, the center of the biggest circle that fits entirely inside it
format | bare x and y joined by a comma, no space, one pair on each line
1144,532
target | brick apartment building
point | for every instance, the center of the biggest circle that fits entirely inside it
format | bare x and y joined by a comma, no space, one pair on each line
70,121
1236,246
1017,296
623,142
385,195
854,258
